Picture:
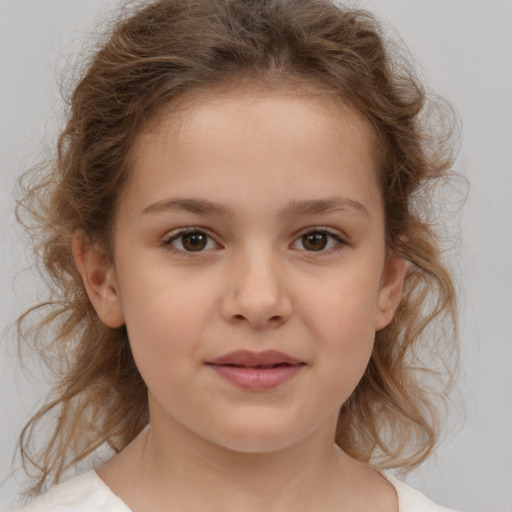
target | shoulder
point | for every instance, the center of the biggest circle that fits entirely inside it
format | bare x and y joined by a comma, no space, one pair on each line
411,500
85,493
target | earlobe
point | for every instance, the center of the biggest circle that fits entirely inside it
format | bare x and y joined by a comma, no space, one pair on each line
97,271
391,288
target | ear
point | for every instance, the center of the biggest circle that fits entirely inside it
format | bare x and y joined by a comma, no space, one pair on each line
97,271
391,287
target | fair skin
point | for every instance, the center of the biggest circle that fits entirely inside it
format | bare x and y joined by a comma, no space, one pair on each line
283,250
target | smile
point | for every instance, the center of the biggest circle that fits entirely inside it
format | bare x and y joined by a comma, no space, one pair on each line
256,370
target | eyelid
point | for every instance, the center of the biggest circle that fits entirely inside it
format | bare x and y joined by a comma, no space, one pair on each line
323,229
175,234
334,233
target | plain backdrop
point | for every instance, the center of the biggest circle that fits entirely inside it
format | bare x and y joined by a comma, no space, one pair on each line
463,50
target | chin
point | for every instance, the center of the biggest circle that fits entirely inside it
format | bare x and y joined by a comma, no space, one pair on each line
257,438
256,445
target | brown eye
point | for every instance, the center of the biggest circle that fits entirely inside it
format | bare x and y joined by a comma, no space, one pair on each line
318,241
315,241
193,241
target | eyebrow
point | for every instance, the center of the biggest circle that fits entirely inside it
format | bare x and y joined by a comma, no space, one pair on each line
198,206
294,208
316,206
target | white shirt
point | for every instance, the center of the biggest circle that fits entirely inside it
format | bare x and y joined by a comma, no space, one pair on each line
88,493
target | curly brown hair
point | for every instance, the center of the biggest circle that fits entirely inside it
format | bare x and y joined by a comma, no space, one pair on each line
153,55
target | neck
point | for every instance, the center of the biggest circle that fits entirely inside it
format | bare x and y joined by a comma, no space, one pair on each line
168,464
195,474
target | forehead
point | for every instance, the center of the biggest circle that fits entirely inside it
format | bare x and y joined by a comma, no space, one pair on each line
305,113
277,147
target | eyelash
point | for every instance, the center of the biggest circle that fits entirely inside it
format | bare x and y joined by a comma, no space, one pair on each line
339,242
168,242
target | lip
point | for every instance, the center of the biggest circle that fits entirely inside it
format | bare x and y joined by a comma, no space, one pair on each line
248,358
256,370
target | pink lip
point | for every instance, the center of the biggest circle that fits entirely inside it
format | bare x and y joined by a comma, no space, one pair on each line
256,370
248,358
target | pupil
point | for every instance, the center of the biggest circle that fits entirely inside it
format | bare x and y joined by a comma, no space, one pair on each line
314,241
194,241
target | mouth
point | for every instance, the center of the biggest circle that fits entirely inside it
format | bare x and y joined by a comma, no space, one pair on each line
266,359
260,366
256,371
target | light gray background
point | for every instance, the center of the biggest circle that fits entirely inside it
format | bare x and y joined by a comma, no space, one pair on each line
464,49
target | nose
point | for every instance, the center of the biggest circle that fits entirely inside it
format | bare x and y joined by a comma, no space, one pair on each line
256,291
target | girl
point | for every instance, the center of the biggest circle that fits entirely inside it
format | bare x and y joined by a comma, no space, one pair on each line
244,270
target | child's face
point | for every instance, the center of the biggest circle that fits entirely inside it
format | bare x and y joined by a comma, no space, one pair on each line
256,224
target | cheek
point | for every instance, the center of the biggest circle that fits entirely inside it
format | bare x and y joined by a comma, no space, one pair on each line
348,336
346,305
342,321
164,322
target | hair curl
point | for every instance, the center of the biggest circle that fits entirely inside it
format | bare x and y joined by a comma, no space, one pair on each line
156,53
